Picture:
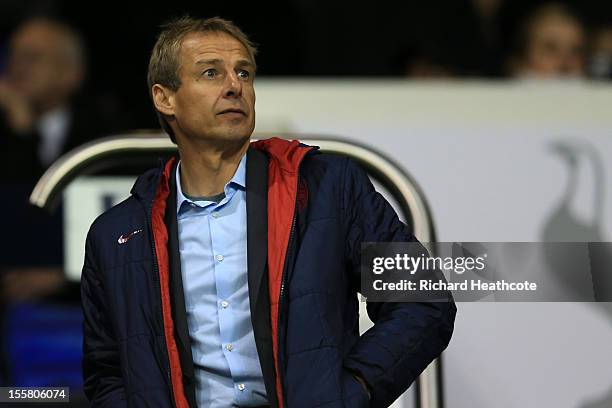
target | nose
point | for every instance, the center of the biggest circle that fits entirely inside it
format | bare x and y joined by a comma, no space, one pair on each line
233,86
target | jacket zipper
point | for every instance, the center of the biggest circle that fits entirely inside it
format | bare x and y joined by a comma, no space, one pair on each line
282,295
161,313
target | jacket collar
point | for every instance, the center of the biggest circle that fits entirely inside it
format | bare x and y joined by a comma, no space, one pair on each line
285,154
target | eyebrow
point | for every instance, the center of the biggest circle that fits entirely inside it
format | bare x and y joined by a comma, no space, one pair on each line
245,63
208,61
240,63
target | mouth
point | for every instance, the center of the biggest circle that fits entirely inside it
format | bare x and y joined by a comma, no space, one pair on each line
232,111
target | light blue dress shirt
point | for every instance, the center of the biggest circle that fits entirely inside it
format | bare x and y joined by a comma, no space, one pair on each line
213,252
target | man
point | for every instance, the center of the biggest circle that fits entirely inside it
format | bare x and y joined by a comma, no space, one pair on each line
44,70
229,278
39,121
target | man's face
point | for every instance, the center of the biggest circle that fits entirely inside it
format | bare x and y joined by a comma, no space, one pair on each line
40,66
556,48
216,98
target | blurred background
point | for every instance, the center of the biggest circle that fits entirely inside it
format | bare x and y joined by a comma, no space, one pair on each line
500,110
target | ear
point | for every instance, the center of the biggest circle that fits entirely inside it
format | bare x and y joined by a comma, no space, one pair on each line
163,99
73,77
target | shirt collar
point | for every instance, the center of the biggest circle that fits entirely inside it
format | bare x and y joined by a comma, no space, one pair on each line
239,178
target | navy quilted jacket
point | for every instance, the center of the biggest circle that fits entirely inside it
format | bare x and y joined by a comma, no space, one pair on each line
307,216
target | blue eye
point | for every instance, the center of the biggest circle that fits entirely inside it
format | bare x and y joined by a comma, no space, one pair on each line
244,74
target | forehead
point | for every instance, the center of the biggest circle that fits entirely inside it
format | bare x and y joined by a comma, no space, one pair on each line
557,24
37,34
197,45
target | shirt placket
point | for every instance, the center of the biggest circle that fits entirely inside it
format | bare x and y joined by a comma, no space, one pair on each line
224,281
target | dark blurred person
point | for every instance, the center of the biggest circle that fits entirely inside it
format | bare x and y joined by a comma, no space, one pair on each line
549,43
40,119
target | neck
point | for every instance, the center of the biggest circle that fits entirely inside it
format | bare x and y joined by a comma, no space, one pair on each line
206,168
43,107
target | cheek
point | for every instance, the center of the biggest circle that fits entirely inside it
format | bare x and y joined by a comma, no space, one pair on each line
250,98
194,105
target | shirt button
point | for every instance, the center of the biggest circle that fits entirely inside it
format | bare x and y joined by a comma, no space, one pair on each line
224,304
219,258
241,387
229,347
215,214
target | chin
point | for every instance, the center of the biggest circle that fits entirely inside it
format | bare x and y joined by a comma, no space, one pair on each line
236,132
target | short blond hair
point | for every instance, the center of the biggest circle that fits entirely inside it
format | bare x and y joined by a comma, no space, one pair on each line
164,62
